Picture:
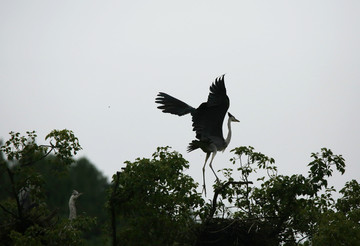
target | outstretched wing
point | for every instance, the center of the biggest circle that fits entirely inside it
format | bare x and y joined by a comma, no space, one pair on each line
208,118
217,95
172,105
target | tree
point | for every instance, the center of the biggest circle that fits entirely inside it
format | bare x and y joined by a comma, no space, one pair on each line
83,176
339,225
25,215
153,201
284,210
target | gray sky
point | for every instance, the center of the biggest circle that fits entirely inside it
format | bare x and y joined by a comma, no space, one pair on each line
95,67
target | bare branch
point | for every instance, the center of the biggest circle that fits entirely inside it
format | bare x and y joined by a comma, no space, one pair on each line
112,208
44,156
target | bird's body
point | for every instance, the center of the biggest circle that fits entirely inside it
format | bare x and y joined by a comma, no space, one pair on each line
207,119
74,196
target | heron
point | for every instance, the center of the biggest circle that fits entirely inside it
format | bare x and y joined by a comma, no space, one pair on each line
74,196
207,120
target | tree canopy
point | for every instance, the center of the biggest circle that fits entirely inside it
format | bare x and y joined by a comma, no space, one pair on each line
36,183
151,201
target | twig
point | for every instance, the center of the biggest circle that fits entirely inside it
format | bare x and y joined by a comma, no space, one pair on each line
46,154
223,229
14,193
218,190
3,208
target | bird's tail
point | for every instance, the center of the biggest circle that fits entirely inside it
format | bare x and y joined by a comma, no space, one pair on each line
172,105
195,144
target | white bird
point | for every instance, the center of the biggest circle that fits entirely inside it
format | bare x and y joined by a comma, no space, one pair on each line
75,194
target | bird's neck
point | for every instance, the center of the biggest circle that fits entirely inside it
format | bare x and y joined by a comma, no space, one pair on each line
72,208
228,138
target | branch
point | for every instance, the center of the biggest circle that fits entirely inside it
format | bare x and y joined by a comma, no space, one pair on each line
221,188
45,155
14,192
112,208
7,211
298,243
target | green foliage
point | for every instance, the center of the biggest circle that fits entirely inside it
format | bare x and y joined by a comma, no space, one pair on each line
335,228
154,200
25,150
83,177
349,204
285,209
66,144
62,232
340,226
25,217
321,167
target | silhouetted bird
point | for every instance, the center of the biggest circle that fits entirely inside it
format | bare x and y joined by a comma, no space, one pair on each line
207,120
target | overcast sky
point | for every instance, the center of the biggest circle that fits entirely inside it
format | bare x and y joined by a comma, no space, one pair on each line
95,67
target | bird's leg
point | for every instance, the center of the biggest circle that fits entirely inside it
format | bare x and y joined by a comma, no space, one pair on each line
212,158
206,158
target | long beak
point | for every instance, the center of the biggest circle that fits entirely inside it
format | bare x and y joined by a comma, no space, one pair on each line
233,118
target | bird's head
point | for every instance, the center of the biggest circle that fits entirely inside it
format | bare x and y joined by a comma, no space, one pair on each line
232,118
76,194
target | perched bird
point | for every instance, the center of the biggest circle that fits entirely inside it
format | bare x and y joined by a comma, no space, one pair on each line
207,120
25,198
74,196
